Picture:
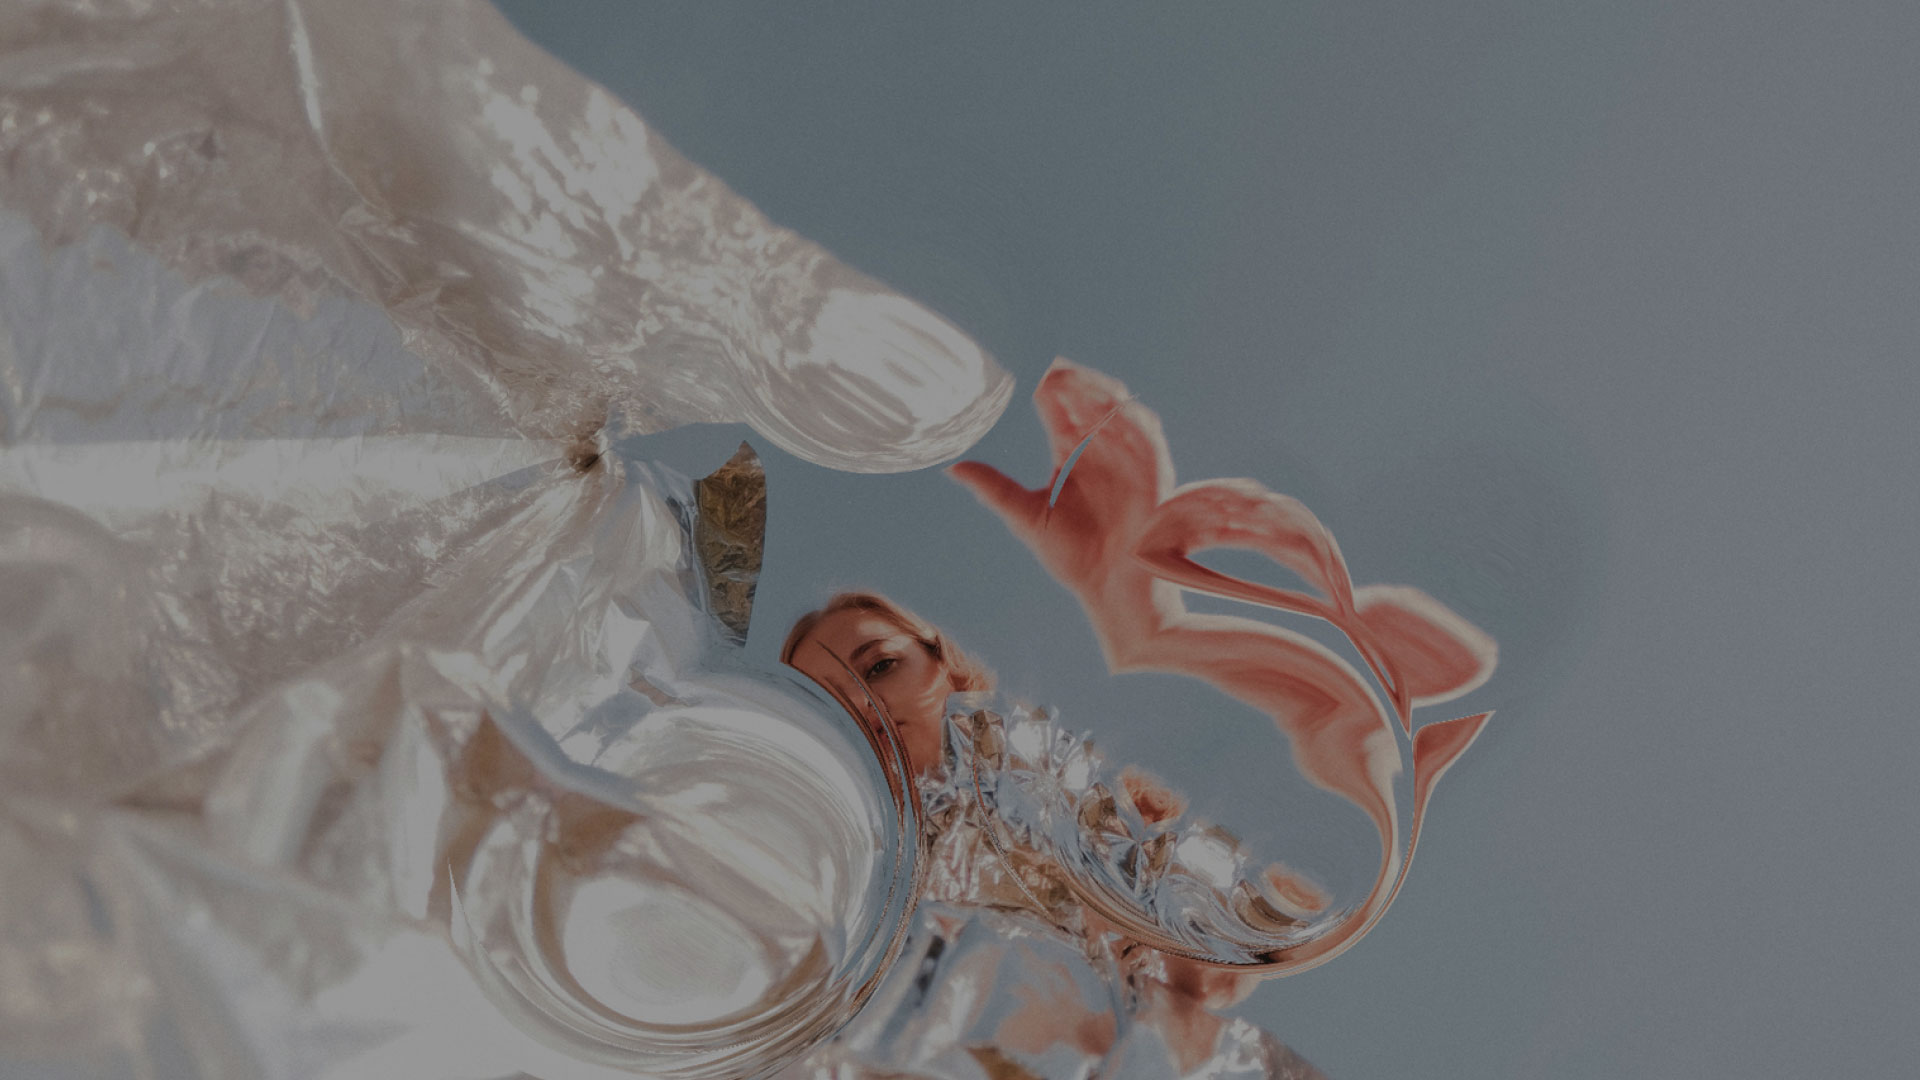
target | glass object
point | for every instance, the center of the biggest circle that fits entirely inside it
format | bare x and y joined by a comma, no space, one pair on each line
546,790
360,699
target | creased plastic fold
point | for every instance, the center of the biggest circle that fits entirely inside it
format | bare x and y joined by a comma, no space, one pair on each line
547,259
362,702
1007,972
537,785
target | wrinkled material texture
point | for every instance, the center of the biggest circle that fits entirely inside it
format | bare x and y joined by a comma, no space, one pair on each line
1007,973
362,707
1113,528
547,259
365,712
531,795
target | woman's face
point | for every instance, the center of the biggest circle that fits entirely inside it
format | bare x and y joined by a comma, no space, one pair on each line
903,674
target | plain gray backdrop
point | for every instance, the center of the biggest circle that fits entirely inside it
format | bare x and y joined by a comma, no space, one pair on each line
1597,320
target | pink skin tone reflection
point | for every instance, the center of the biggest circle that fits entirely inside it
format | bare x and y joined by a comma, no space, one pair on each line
910,683
1121,535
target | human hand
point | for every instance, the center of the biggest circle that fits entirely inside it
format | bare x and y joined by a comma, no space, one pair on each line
1085,538
1121,537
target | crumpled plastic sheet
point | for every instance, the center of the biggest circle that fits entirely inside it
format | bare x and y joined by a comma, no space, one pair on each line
1055,812
546,259
356,689
532,794
980,993
1004,973
365,710
986,993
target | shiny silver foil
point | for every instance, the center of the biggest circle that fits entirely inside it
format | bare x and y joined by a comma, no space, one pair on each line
1064,825
541,258
533,822
364,711
1007,973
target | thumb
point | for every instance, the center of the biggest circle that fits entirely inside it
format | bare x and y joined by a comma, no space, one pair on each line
1000,492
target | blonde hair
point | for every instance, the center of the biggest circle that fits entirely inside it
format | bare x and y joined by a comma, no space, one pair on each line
964,672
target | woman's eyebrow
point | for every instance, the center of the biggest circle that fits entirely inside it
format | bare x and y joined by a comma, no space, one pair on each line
865,647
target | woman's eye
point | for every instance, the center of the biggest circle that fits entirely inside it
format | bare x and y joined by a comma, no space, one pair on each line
881,667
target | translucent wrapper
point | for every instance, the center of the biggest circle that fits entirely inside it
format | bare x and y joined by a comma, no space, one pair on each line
546,259
1007,972
367,710
537,793
364,709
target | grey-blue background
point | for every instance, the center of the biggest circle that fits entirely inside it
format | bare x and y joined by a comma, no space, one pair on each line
1598,320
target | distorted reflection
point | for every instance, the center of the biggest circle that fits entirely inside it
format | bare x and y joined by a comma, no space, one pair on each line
1011,975
366,712
862,642
1113,528
1030,822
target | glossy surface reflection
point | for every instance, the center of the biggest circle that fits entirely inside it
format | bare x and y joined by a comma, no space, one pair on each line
1111,526
363,703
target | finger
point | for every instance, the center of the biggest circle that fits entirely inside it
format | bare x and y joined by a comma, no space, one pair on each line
1000,492
1072,401
1090,414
